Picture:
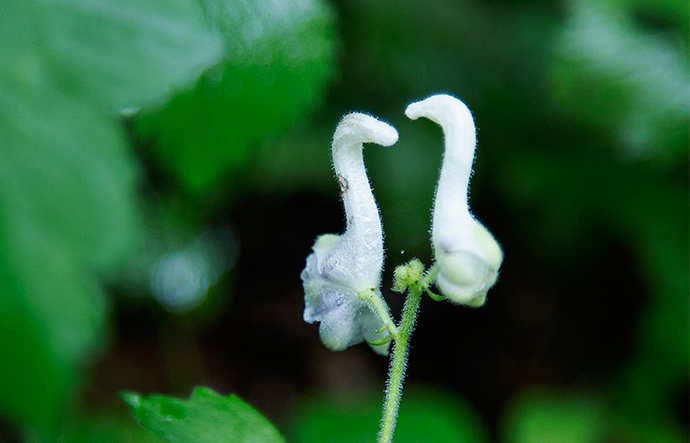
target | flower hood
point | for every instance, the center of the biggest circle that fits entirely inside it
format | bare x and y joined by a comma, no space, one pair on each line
341,267
466,253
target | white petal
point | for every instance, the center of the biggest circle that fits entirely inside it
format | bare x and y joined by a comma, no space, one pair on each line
467,254
358,258
343,265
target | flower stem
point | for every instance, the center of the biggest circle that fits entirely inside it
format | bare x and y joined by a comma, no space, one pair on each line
396,374
379,306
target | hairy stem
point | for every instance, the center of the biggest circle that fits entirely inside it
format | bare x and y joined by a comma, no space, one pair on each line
378,304
396,374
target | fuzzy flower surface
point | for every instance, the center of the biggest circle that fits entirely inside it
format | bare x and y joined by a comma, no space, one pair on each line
466,253
343,267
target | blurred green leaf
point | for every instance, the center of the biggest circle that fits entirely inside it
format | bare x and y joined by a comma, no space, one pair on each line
67,183
65,169
657,13
108,427
35,381
612,74
634,429
657,223
205,417
543,416
425,416
65,209
130,52
278,58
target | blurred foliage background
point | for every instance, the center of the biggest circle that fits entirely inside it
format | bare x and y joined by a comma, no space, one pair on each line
165,167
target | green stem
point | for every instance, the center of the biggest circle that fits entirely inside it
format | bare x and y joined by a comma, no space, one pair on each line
375,300
396,374
429,276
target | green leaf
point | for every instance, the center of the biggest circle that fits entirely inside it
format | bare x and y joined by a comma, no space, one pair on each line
38,380
543,416
278,58
65,168
613,74
540,415
66,209
657,221
67,182
106,427
425,416
129,52
205,417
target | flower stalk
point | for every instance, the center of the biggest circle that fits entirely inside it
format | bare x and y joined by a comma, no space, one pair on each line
377,304
408,277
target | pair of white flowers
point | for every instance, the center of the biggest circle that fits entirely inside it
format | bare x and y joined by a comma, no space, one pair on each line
343,275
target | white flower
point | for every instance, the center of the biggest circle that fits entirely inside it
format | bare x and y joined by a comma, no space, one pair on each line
343,274
466,253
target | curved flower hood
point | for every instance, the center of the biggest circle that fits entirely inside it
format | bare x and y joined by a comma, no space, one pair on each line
466,253
342,267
